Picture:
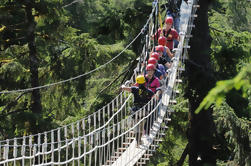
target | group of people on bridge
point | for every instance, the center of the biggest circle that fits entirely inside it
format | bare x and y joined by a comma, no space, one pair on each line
149,82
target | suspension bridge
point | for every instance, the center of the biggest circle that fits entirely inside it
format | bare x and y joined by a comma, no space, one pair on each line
108,136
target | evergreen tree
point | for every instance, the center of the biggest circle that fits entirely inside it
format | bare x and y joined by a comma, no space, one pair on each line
200,81
21,36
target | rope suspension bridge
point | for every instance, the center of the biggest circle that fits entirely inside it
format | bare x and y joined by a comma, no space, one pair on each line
108,136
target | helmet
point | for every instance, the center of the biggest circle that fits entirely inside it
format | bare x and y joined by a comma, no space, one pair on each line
155,55
162,40
160,48
150,67
169,20
140,79
152,61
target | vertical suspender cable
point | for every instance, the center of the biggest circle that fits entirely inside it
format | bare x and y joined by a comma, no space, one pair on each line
79,141
157,23
34,153
79,149
23,151
90,141
52,146
39,146
30,147
45,146
66,142
73,142
59,144
85,144
15,150
154,27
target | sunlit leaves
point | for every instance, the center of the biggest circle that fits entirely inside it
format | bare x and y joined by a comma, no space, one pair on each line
237,12
216,95
67,44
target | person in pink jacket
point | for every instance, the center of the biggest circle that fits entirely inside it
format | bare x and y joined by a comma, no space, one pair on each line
152,82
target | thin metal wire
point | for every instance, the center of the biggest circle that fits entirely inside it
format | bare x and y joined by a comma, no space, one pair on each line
84,74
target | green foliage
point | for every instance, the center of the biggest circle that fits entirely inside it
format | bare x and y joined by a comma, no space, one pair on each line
236,132
237,14
233,14
231,98
231,51
69,41
231,47
216,95
78,38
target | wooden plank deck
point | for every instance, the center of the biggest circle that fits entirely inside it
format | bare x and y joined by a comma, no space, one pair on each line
133,153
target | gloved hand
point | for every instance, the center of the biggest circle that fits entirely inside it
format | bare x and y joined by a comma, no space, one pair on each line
123,86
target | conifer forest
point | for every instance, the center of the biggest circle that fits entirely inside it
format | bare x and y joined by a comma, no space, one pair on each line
50,42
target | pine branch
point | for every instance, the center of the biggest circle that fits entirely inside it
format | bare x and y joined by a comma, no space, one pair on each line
113,81
238,139
126,71
216,29
10,105
130,71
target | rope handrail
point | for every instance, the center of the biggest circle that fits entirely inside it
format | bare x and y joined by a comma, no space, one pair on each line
71,141
111,140
61,127
73,78
1,141
84,74
71,3
98,130
98,147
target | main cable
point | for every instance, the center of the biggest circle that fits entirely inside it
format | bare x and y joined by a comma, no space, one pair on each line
84,74
73,2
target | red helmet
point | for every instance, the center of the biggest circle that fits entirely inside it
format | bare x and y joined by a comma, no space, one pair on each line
152,61
162,40
160,48
169,20
150,67
155,55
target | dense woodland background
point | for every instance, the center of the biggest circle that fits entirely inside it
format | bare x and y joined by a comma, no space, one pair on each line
43,42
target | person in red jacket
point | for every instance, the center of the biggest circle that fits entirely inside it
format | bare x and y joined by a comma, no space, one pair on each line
165,56
168,32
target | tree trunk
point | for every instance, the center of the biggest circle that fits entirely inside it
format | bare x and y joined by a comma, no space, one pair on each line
200,81
33,60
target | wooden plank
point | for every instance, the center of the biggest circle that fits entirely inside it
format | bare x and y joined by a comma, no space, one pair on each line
173,102
142,163
158,140
134,153
179,80
121,149
168,119
164,127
